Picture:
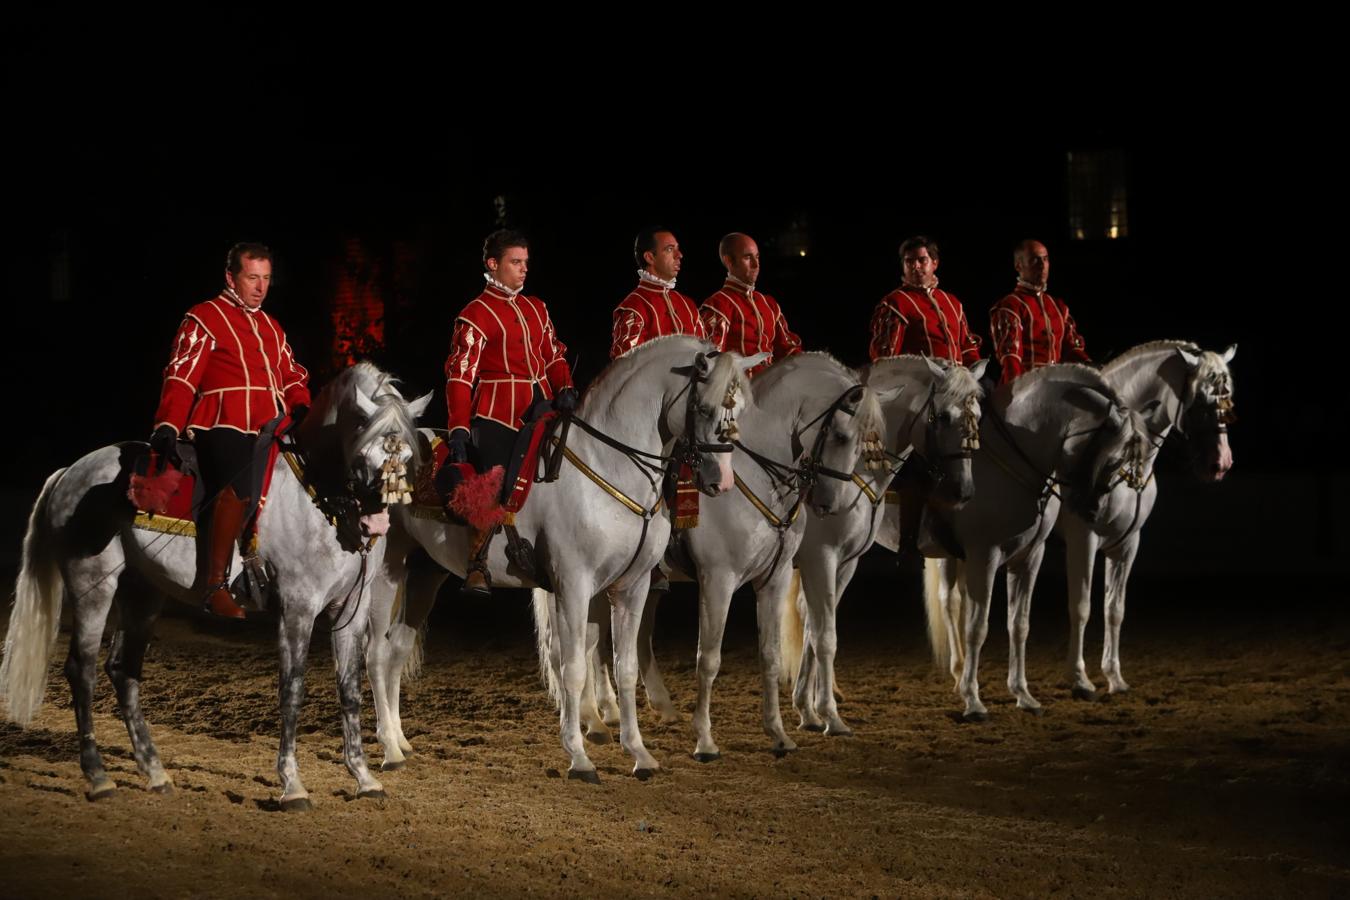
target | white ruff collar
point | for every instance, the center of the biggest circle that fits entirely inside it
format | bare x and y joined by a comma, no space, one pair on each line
656,280
916,287
510,294
230,292
1036,289
748,288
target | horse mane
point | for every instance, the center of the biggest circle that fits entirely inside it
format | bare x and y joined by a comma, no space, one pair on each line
625,362
391,414
955,389
1126,356
868,415
1211,369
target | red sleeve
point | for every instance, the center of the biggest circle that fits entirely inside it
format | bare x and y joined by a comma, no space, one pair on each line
294,379
461,371
558,371
1073,348
785,343
187,363
715,323
1006,327
970,342
627,330
888,332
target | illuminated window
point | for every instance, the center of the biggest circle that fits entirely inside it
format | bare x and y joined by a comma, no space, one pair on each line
1098,205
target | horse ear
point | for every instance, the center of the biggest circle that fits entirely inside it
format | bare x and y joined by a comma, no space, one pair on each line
1090,399
365,404
419,406
749,362
1229,354
1192,359
702,365
977,370
935,367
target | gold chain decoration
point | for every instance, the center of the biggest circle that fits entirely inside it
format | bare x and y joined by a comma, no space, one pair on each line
728,429
874,453
971,439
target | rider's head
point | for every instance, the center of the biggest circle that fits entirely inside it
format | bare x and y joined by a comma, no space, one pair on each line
740,254
657,251
506,256
919,255
248,272
1032,262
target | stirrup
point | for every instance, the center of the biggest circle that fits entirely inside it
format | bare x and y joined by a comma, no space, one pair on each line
478,581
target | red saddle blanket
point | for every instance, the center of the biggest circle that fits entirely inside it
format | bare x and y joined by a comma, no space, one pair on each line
515,482
177,516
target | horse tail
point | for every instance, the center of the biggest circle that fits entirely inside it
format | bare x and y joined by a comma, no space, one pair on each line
541,600
935,610
412,666
791,615
36,616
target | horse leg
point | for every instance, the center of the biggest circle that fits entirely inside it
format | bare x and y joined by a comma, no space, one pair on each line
294,630
139,605
347,660
596,685
819,582
768,594
714,601
956,605
607,702
422,579
387,591
803,688
979,578
626,617
571,608
1081,544
658,697
1021,584
91,612
1118,565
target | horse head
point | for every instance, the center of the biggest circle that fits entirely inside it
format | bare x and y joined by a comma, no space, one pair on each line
716,393
1104,444
951,424
1207,411
379,443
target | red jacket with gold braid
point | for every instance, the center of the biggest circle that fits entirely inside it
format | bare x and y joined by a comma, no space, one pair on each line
745,321
926,322
231,368
502,347
652,311
1033,329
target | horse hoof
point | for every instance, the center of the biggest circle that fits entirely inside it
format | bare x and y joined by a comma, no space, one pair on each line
976,717
643,774
164,790
599,737
811,726
707,757
373,794
101,790
297,804
845,731
1082,693
392,765
590,776
1033,710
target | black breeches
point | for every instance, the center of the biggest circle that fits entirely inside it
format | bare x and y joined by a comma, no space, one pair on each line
225,458
493,444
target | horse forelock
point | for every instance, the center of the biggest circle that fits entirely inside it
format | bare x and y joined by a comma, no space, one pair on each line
726,372
957,387
869,416
1213,369
391,416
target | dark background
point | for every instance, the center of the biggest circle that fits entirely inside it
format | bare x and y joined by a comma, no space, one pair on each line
127,184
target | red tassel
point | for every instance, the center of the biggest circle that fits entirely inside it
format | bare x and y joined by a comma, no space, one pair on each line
151,492
476,499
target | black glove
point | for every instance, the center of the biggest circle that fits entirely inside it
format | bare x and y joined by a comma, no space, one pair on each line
298,414
164,443
566,401
459,446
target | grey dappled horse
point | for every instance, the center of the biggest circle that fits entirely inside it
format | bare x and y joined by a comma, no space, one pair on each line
82,549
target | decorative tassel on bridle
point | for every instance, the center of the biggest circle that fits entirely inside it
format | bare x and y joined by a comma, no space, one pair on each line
728,429
970,441
873,451
394,487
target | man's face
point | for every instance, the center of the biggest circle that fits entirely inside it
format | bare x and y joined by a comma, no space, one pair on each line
743,261
664,262
252,281
511,267
920,268
1033,264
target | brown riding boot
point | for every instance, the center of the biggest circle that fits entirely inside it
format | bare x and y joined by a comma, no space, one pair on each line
227,522
478,582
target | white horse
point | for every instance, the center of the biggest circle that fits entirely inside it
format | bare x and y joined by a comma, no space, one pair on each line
83,548
935,418
812,421
599,528
1057,432
1177,386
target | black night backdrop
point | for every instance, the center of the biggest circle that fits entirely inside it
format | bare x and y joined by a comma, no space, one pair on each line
124,188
